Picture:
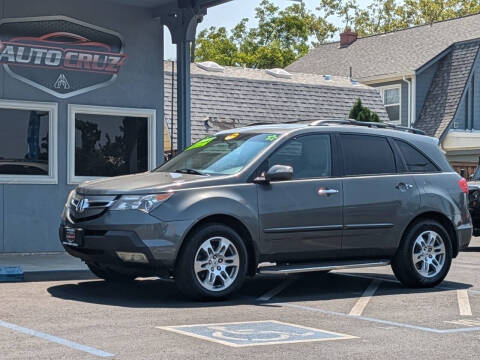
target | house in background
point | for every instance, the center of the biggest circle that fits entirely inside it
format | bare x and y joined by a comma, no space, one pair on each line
230,97
428,77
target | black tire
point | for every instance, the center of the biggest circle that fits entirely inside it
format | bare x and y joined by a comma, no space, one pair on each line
185,277
403,264
109,274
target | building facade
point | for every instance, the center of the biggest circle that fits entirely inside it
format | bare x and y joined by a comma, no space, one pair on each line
81,97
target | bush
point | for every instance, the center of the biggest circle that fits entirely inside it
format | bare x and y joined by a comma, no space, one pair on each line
361,113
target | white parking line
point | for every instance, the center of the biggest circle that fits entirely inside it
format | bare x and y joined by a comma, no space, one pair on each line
55,339
276,290
362,303
464,303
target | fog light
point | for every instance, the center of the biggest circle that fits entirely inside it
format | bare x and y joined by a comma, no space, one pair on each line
133,257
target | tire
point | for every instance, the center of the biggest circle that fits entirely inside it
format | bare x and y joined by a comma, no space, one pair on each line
109,275
227,256
432,259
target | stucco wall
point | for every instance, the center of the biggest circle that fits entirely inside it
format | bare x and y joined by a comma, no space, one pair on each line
29,214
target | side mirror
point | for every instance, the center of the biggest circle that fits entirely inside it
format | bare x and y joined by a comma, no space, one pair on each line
276,173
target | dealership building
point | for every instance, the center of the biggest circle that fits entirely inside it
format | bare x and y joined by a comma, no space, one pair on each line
82,97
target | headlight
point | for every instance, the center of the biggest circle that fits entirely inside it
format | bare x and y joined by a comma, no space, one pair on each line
145,203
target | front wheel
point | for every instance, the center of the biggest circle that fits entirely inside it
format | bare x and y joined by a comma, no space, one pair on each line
213,263
425,255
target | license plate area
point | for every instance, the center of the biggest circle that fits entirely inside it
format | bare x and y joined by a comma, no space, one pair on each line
73,237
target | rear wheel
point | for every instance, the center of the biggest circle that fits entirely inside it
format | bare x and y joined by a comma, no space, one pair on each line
109,274
425,255
213,263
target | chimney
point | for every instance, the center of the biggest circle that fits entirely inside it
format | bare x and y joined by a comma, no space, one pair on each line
347,37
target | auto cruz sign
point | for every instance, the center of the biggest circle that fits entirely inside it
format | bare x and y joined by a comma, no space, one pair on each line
61,56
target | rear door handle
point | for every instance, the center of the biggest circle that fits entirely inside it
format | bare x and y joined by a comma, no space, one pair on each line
327,192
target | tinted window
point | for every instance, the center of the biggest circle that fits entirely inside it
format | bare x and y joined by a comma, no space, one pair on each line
309,156
415,161
110,145
23,142
367,155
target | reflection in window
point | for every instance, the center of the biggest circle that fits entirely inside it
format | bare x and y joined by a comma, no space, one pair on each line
23,142
108,145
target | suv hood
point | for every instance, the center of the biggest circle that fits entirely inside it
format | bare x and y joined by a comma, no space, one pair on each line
150,182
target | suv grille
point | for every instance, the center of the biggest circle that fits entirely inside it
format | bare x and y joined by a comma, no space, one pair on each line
87,207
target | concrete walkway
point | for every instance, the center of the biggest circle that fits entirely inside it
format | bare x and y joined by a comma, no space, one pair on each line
51,262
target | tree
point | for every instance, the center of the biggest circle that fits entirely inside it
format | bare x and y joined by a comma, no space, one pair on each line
362,113
389,15
280,38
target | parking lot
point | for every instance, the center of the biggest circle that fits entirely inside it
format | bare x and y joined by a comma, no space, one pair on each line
361,314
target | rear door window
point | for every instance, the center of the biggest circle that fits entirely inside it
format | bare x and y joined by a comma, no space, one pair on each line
416,162
367,155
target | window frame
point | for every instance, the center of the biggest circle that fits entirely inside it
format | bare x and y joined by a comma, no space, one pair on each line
52,109
334,165
404,160
73,109
382,90
397,160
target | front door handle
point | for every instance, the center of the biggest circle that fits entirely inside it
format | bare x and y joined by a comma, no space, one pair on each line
403,186
327,192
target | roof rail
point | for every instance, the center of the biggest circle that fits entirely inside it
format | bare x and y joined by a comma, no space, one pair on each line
369,124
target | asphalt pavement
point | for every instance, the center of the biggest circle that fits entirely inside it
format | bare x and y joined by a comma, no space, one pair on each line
362,314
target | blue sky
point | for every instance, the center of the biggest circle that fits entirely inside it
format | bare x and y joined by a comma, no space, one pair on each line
229,14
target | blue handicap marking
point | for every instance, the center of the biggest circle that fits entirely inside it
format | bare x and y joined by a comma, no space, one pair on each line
11,274
256,333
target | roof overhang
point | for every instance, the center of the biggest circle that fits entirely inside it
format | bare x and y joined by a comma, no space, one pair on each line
153,4
369,80
461,141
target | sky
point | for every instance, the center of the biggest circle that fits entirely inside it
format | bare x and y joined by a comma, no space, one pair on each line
230,14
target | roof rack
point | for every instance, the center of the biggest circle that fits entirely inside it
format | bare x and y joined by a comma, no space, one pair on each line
367,124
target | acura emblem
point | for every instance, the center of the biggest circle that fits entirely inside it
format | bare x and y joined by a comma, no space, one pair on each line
82,205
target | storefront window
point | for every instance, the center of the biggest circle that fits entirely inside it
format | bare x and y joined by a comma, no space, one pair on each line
26,139
107,144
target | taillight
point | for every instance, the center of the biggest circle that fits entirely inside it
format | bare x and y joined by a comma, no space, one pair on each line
463,185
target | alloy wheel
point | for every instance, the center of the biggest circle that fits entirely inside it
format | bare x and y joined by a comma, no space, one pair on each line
429,254
216,264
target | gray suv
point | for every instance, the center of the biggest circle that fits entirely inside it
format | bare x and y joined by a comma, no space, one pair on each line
301,197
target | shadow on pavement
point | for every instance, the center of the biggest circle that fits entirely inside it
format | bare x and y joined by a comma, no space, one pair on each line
472,249
154,293
38,276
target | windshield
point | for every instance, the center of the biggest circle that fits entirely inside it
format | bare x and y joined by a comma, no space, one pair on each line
224,154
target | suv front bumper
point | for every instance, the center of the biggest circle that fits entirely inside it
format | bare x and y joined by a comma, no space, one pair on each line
132,232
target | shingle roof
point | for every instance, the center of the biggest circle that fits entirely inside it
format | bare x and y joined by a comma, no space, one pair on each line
396,53
447,87
238,97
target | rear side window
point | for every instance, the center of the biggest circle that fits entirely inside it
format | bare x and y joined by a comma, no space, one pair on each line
416,162
367,155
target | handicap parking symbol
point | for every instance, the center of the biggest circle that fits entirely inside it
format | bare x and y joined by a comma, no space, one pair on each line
253,333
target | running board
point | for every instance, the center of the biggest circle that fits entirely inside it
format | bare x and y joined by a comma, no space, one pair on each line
325,266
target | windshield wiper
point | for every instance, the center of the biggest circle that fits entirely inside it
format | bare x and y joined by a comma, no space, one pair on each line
189,171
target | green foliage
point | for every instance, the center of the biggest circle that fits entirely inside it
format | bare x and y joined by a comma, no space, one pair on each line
361,113
382,16
280,38
283,36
